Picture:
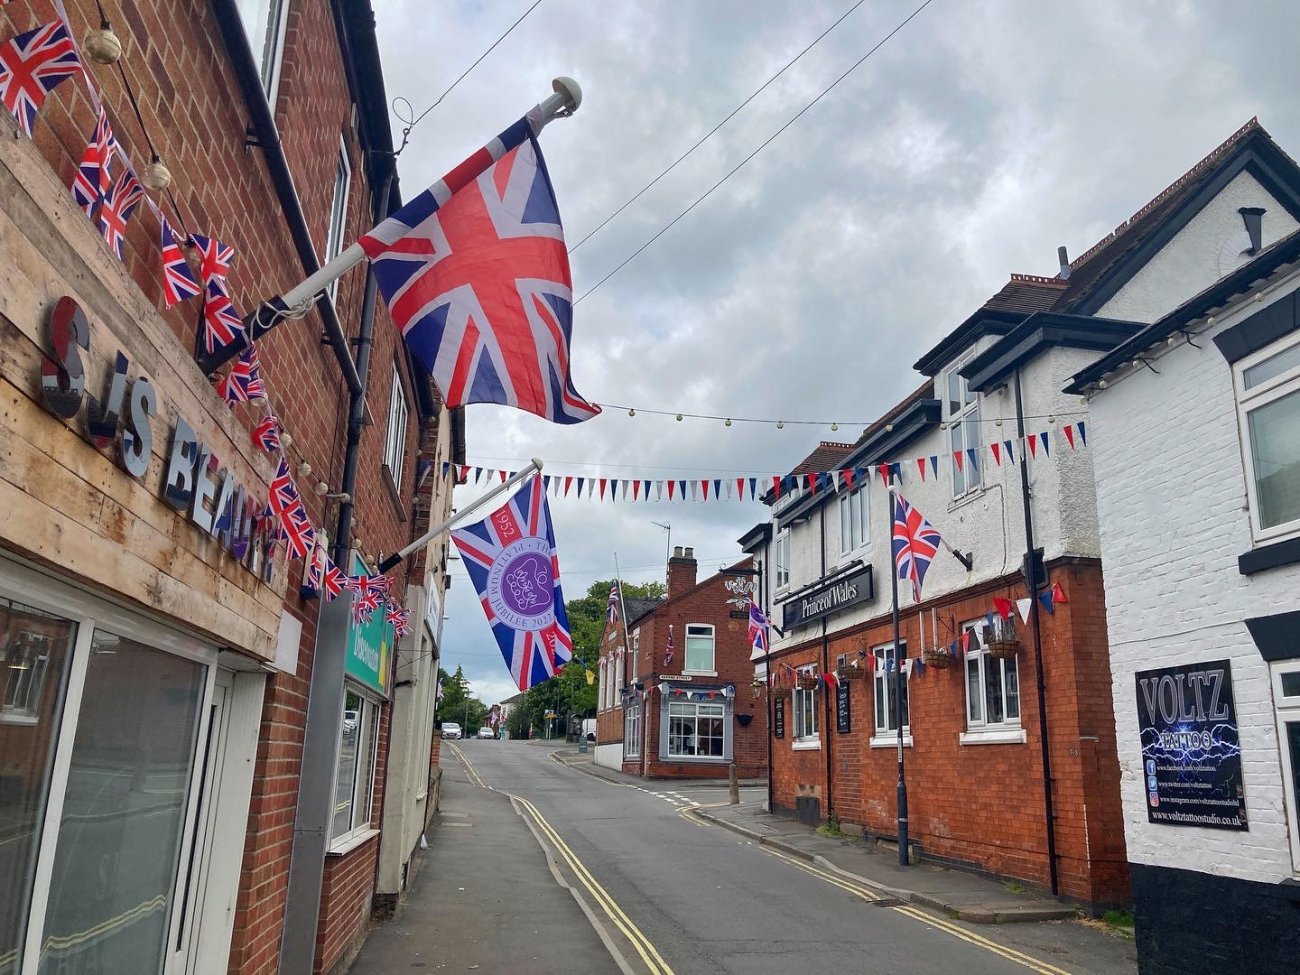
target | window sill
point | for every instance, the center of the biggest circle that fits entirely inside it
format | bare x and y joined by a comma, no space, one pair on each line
30,720
806,745
351,841
994,736
698,673
965,499
696,759
890,740
1273,555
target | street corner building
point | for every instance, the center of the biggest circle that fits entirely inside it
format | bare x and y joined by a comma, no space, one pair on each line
205,765
676,697
1196,422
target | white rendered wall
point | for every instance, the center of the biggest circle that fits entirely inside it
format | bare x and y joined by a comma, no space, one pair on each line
610,756
1204,251
1172,500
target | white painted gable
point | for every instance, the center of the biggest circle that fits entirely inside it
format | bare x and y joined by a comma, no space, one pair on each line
1209,247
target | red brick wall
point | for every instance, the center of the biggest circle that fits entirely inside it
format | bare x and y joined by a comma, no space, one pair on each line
189,99
983,804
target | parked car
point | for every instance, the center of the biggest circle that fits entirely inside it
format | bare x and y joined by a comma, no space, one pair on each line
486,732
450,729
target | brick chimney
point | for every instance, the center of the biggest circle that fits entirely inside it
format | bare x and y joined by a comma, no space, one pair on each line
681,571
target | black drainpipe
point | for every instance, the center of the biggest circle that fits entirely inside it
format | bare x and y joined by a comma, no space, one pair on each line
357,400
1031,574
827,703
264,135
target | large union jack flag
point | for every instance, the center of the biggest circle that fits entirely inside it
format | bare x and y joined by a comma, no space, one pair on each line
758,635
916,543
476,275
511,559
31,66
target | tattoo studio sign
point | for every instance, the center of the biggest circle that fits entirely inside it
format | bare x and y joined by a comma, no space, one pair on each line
1191,753
194,481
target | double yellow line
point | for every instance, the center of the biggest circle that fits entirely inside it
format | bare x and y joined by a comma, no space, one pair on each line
916,914
654,962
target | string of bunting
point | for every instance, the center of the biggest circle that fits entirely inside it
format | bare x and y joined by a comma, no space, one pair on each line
108,190
738,487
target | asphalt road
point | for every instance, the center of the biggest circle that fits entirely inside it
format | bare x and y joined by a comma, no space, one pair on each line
696,899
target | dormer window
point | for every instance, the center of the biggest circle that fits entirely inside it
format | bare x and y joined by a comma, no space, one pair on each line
961,412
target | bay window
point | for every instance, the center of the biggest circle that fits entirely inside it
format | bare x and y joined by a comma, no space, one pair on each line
696,730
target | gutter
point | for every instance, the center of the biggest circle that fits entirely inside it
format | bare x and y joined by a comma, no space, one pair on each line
264,136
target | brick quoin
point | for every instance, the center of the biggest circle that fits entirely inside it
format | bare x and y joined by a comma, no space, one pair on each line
981,805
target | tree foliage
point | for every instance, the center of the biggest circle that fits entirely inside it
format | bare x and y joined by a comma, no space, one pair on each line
458,705
569,692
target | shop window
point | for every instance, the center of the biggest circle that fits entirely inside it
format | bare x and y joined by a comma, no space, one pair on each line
992,695
855,528
1268,408
1286,701
264,22
699,649
781,559
632,730
338,212
961,412
696,730
889,685
395,442
35,657
354,780
124,809
806,716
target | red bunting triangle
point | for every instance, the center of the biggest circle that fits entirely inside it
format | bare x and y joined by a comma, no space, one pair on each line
1032,440
956,456
740,489
1068,430
920,466
705,486
503,476
636,490
568,482
602,489
997,452
1058,594
776,486
671,485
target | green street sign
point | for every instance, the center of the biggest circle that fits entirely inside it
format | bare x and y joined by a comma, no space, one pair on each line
369,647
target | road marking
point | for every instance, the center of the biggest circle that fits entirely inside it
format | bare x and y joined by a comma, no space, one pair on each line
1019,957
653,960
473,773
856,890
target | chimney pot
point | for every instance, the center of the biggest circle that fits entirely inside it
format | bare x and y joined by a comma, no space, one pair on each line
677,551
1063,258
690,552
681,571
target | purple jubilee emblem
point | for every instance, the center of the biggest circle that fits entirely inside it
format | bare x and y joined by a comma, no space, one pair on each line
520,585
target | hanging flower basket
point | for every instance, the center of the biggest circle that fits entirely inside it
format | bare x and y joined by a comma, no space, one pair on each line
851,671
1000,639
807,682
938,657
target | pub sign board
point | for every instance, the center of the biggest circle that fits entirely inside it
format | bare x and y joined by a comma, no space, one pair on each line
854,588
843,715
778,717
1191,752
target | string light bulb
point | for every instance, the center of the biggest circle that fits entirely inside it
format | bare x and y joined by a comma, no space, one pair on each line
322,488
1051,419
834,427
998,422
727,422
631,412
1102,384
156,176
780,424
286,441
679,418
102,46
1170,341
304,469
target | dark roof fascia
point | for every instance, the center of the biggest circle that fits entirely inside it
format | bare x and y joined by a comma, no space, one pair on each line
905,428
756,537
355,22
1256,155
1216,296
986,321
1038,333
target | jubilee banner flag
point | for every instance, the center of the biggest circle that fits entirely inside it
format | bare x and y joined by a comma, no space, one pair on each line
512,562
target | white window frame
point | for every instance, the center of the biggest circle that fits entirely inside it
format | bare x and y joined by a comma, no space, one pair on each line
781,560
1266,393
633,715
886,736
806,714
268,69
856,502
337,230
600,686
1287,711
395,436
368,731
712,671
967,416
981,731
705,709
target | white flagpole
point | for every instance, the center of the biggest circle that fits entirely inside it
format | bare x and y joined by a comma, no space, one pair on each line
563,103
534,466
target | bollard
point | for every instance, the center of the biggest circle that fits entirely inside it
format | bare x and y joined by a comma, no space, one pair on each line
733,785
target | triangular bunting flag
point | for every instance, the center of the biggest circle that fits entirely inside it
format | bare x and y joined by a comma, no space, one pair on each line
997,453
1045,597
1011,454
1083,432
1068,430
1003,606
1023,606
1058,594
920,467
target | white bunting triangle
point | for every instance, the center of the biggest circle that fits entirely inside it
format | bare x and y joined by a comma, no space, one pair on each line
1023,605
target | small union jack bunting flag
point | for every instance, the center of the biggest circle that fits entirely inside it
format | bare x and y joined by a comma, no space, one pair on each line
31,66
179,283
221,323
267,434
400,619
116,209
290,512
215,257
244,381
363,607
92,181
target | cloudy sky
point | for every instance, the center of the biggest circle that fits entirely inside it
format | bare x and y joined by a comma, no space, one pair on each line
977,140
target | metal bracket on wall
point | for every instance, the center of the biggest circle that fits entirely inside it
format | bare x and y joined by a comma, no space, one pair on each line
251,141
